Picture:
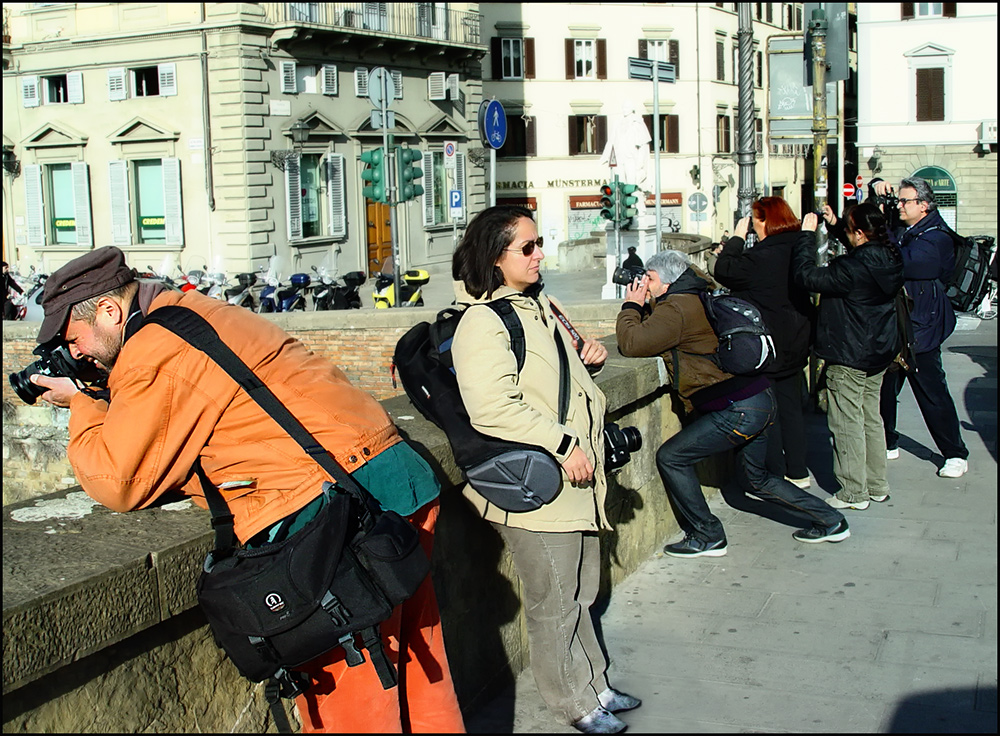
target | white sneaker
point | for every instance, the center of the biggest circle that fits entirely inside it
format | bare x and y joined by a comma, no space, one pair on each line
892,454
838,504
954,467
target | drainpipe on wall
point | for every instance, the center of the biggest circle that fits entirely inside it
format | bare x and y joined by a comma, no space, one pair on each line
206,122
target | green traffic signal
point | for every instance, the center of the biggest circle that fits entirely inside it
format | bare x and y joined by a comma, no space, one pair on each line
627,201
609,204
374,175
409,173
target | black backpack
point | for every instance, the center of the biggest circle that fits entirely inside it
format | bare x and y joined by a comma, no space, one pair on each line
970,279
745,344
512,475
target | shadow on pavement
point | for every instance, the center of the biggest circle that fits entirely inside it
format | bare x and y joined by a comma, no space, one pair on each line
981,395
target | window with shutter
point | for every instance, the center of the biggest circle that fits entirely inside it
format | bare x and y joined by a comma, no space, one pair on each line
454,86
930,95
496,57
460,184
336,195
674,53
118,194
643,48
173,207
167,79
529,58
436,86
428,184
328,80
74,84
397,85
29,91
288,81
602,58
81,204
117,89
720,61
361,82
294,192
34,210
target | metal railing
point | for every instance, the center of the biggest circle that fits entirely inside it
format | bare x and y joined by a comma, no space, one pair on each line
406,20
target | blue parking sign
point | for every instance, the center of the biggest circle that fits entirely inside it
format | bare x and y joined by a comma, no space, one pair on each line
455,202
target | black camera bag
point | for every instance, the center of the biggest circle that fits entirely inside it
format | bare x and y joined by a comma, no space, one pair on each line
281,605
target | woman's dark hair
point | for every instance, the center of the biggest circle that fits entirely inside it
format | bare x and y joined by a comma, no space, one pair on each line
777,216
486,238
867,219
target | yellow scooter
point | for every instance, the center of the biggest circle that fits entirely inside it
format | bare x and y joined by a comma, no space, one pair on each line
384,294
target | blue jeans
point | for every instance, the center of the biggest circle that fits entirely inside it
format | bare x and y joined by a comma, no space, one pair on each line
742,426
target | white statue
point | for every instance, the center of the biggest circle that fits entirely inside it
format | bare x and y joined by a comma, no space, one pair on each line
629,146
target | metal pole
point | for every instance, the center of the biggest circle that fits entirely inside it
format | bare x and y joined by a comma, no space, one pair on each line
390,190
745,152
619,289
656,153
493,176
818,26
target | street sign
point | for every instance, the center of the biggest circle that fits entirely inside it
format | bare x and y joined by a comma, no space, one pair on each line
848,190
449,155
380,87
859,182
455,202
697,202
859,194
378,123
643,69
494,125
698,217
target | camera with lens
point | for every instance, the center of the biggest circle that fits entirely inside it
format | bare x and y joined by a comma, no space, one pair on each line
619,444
889,199
625,275
54,359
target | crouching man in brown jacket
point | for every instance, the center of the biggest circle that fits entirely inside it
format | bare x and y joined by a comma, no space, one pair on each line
732,411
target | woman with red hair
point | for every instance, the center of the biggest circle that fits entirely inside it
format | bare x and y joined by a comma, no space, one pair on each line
763,276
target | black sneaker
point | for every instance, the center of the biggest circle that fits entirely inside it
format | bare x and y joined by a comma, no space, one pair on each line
836,533
692,546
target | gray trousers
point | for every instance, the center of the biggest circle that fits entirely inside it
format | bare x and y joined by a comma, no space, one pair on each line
858,435
561,573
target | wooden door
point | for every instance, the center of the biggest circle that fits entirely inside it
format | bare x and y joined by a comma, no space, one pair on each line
379,235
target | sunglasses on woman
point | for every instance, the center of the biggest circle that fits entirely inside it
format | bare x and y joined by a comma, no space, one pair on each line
528,247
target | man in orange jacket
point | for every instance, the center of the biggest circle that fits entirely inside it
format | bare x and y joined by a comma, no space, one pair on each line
168,406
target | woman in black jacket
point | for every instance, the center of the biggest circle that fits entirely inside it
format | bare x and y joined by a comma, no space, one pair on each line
762,275
858,336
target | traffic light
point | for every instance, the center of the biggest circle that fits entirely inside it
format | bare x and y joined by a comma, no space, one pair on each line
409,173
609,203
626,202
374,175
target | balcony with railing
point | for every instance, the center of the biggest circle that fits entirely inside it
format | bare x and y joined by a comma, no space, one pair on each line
430,22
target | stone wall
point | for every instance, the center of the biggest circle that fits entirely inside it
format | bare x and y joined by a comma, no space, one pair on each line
102,632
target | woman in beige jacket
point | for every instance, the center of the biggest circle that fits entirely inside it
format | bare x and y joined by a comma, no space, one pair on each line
555,547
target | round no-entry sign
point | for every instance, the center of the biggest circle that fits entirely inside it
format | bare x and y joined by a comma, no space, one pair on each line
848,190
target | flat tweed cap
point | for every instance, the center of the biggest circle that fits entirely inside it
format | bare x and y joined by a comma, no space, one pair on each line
83,278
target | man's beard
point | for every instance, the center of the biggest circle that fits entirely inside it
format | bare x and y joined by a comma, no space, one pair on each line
109,345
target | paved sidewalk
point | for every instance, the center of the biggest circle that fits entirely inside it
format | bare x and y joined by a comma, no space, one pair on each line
893,630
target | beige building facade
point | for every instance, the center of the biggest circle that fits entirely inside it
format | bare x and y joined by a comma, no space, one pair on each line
167,129
561,72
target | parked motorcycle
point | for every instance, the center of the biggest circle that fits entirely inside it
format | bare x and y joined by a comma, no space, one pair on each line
331,293
29,303
413,279
269,294
242,295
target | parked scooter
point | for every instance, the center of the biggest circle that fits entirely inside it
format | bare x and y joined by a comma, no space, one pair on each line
329,293
29,303
242,295
269,294
294,297
213,285
384,295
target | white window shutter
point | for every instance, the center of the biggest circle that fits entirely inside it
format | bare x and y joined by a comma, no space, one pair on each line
121,231
74,84
168,79
460,184
328,80
436,86
397,85
34,210
361,82
336,195
117,84
293,186
81,203
288,83
453,86
173,207
428,183
29,91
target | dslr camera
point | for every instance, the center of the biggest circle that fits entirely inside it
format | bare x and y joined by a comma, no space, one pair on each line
625,275
889,199
619,444
54,359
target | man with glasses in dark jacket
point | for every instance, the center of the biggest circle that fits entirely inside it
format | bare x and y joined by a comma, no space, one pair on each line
928,261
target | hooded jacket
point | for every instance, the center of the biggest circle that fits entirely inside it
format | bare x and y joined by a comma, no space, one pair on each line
678,321
857,324
928,262
524,407
763,276
171,406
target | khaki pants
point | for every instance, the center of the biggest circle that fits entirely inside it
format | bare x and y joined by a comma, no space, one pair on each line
561,574
858,436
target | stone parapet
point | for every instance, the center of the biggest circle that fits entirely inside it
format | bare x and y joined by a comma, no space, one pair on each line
99,607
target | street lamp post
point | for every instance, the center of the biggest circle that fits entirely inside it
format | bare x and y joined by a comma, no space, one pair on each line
745,152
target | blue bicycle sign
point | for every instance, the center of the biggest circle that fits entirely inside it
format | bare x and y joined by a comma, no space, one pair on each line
494,124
